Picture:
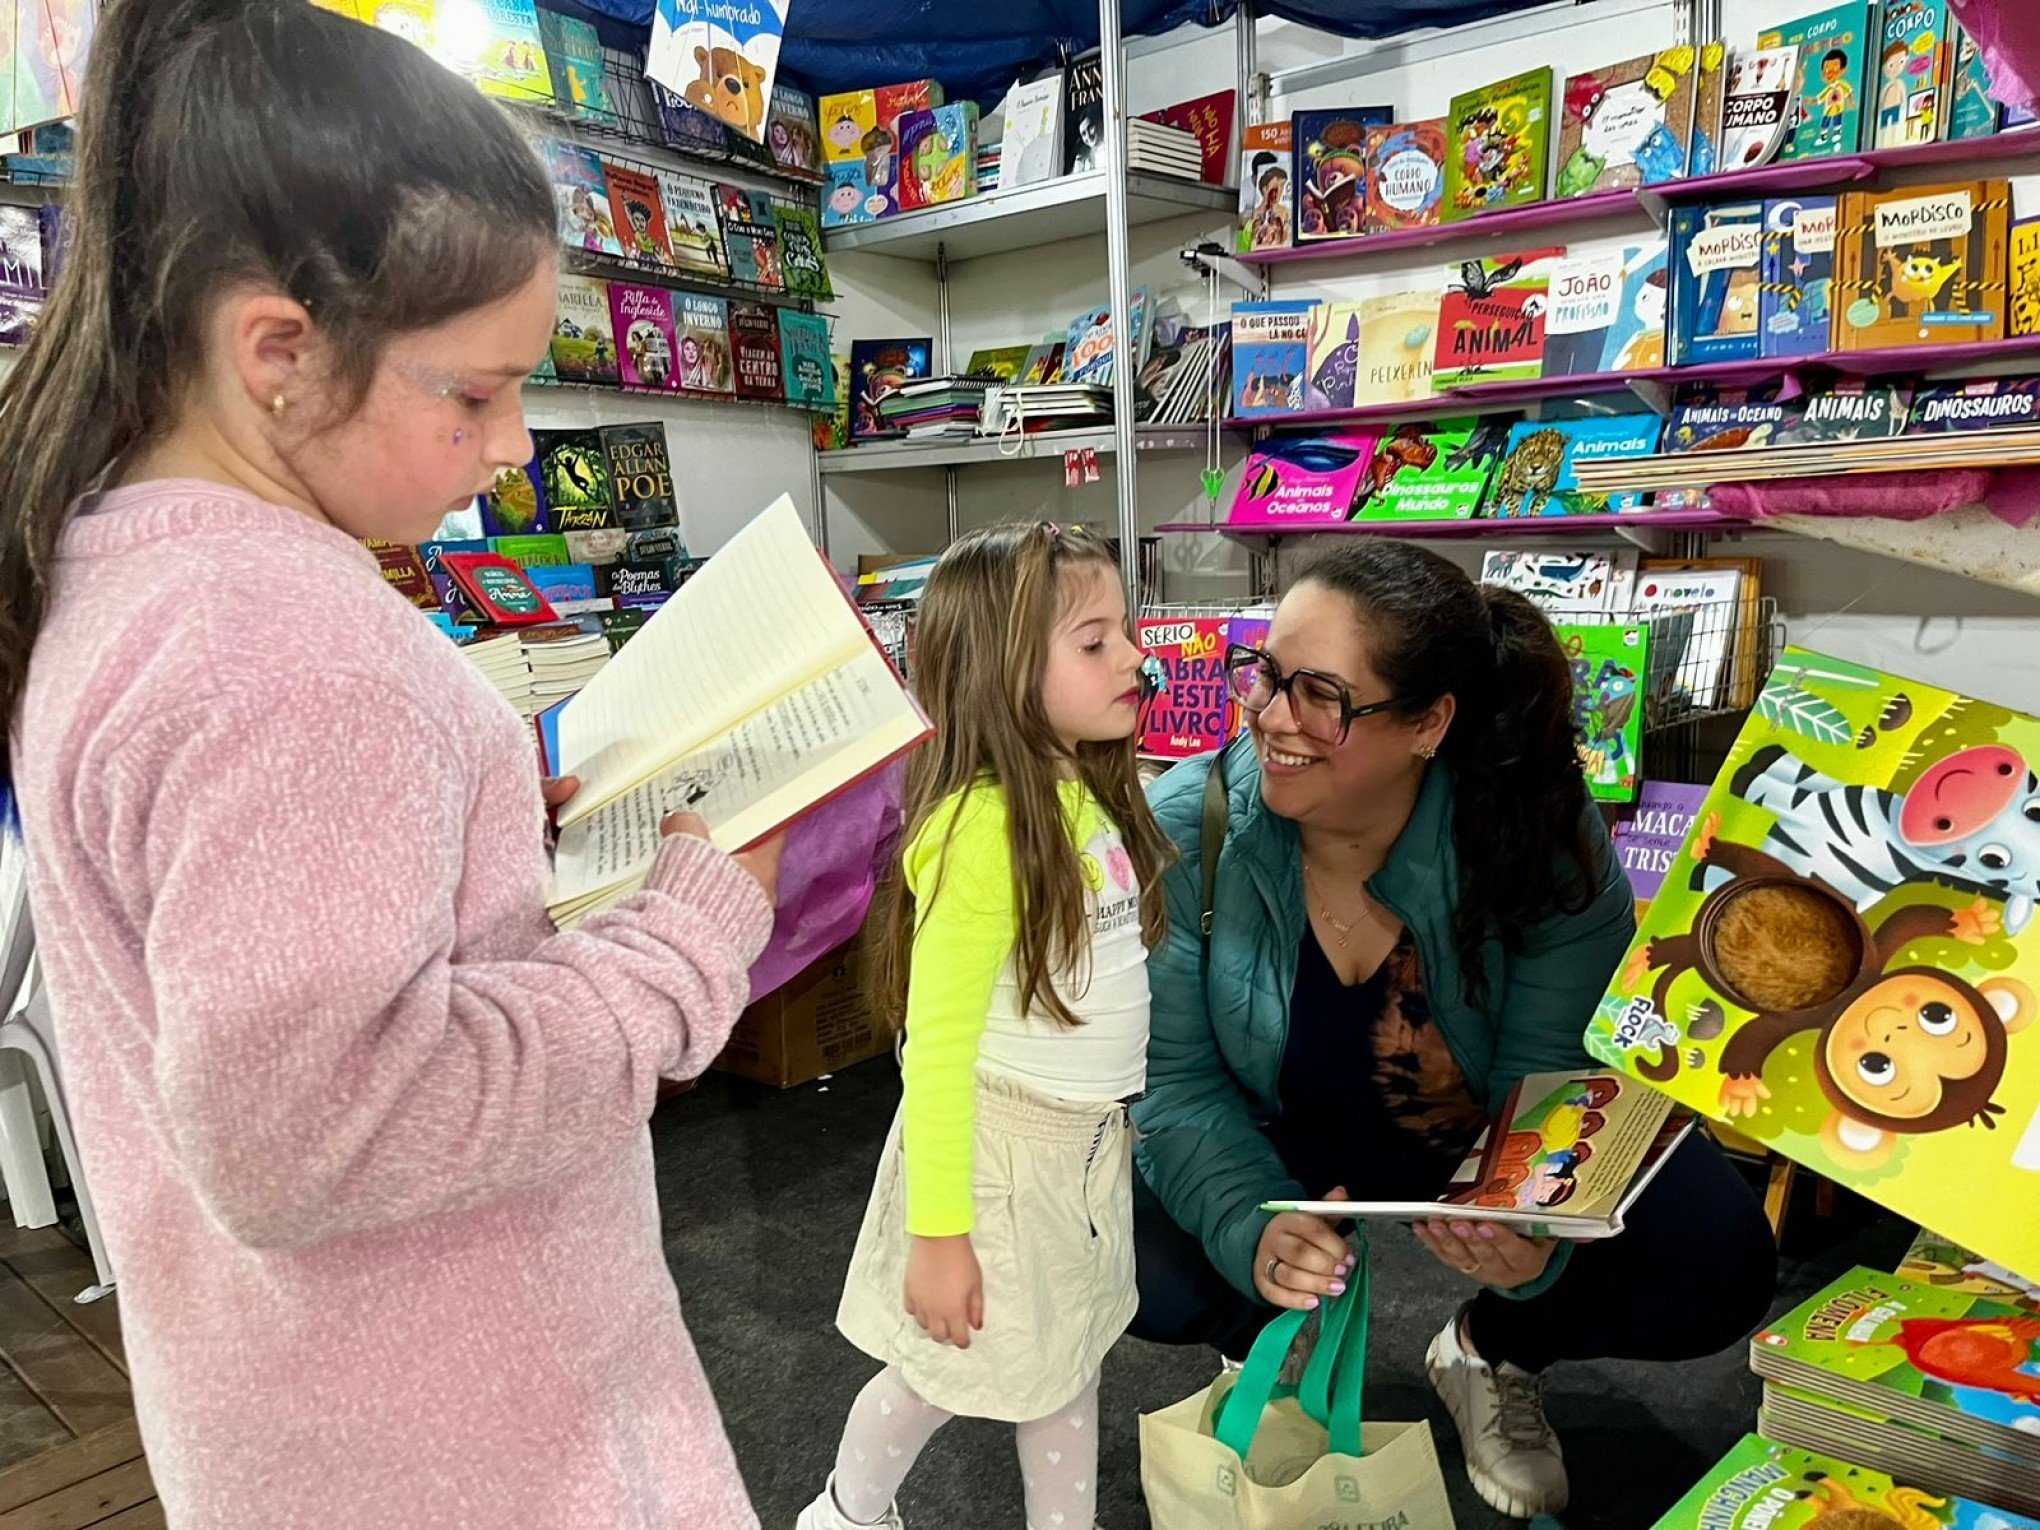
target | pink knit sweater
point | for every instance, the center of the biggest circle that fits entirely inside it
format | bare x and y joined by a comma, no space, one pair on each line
367,1139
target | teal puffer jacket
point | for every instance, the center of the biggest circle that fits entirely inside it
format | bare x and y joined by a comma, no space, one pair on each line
1221,1019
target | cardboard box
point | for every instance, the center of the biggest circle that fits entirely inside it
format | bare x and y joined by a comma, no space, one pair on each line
820,1022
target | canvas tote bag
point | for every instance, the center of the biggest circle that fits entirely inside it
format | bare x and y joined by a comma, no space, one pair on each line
1245,1454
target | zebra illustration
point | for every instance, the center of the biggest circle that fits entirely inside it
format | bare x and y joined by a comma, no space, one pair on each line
1971,822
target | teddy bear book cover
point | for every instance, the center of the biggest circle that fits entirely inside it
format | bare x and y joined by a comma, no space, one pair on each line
1842,961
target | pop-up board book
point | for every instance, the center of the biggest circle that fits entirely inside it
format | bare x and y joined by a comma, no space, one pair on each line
1842,961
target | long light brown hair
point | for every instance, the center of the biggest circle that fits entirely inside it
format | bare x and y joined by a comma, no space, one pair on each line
980,648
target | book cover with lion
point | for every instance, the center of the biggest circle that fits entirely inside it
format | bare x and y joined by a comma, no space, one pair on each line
1842,961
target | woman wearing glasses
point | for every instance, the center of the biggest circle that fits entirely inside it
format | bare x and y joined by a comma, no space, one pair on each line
1415,905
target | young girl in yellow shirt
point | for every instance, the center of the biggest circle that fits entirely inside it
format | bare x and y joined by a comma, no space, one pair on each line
995,1265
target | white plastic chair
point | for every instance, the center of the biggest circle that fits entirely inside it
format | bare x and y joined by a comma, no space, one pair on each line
28,1037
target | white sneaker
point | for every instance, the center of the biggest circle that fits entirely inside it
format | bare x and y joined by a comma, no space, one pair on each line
1512,1457
823,1514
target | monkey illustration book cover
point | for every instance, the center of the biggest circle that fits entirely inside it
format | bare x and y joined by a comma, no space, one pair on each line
1842,961
1921,265
1628,125
1763,1485
574,469
1432,470
1825,115
1498,146
1795,306
1610,668
1934,1261
1491,323
1965,1367
573,54
1539,474
1717,277
1293,481
1330,151
1577,1150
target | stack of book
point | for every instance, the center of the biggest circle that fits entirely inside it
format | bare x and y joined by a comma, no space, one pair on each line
562,657
1153,148
1049,406
935,407
1927,1383
501,660
1185,383
988,158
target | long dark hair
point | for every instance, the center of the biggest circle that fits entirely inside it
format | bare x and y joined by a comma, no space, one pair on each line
230,142
1519,804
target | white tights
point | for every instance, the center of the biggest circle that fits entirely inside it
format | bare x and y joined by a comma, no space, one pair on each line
890,1424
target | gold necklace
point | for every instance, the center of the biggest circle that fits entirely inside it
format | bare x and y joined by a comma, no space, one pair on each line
1342,930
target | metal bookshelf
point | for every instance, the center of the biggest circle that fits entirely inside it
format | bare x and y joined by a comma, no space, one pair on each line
1049,445
1025,217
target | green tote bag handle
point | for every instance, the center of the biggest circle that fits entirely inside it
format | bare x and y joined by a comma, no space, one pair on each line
1333,1382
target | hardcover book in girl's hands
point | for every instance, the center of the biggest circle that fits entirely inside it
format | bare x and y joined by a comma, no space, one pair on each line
1575,1152
1628,125
1302,481
1866,858
1498,146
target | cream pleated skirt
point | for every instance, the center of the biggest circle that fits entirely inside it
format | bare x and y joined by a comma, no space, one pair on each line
1053,1183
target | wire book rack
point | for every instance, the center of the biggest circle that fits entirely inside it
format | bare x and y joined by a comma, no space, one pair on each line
1704,659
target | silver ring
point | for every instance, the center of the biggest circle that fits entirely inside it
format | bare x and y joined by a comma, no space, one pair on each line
1274,1264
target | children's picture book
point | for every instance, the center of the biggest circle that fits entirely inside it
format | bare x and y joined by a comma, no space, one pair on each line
1044,361
1756,114
1030,149
1425,471
804,365
1491,324
573,55
703,325
1981,403
1710,106
1539,473
1850,409
1568,585
1193,712
639,214
1709,675
1574,1153
1710,419
849,198
1650,832
515,504
938,155
1005,362
1398,347
646,341
583,346
693,231
1292,481
750,237
1405,175
1271,351
1607,311
1915,51
831,430
1498,146
1972,112
641,475
562,584
581,192
1610,667
846,118
804,706
1921,265
801,260
1084,117
574,472
1795,307
1335,351
793,131
1825,114
498,45
1865,853
22,285
686,127
1330,149
2022,309
1717,265
877,368
1934,1261
754,346
1267,202
1628,125
1763,1485
1089,357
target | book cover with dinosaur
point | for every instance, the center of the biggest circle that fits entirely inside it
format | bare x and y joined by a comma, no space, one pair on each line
1432,470
1762,1485
1921,265
1610,664
1491,323
1842,962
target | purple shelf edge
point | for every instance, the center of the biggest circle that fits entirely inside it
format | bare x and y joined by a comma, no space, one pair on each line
1538,525
1551,213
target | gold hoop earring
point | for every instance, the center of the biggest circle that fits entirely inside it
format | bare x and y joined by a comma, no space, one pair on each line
277,405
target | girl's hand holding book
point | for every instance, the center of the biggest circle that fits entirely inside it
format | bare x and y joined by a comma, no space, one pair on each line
945,1289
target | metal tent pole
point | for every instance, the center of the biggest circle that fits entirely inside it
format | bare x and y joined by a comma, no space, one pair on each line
1252,98
1119,271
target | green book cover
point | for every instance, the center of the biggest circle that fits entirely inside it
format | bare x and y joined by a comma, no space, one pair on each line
532,552
1867,858
802,262
1498,146
1827,103
1006,362
1609,662
1972,113
573,55
1427,471
1761,1485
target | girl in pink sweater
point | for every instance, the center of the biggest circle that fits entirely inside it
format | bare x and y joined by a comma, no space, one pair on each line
368,1139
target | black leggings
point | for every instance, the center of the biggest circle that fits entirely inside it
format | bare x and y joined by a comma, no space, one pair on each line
1693,1271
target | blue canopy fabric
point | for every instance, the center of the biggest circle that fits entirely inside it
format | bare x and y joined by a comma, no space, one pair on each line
977,48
